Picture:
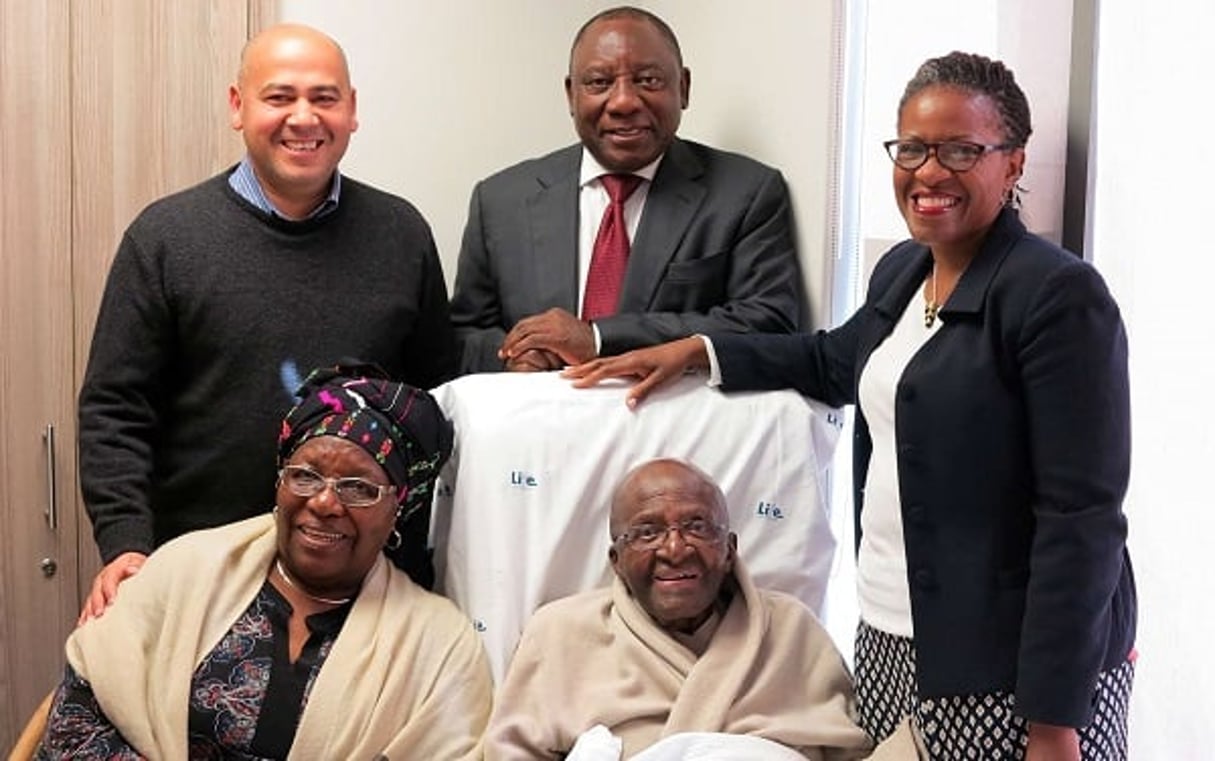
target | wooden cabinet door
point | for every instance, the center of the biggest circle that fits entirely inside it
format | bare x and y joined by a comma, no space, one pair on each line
38,595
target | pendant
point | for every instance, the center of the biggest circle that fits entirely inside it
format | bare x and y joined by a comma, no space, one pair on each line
930,313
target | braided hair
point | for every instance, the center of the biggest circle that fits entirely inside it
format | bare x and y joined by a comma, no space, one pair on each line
980,75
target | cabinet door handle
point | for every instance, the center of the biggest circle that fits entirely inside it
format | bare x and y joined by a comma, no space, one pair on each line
52,496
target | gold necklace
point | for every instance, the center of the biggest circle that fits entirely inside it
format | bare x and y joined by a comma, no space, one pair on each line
931,307
282,572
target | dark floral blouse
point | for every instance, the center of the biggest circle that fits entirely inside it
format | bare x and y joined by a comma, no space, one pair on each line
246,695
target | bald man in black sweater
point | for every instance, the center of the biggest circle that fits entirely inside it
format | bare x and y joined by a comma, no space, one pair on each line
223,297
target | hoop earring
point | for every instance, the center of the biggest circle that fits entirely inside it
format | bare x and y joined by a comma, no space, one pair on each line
394,540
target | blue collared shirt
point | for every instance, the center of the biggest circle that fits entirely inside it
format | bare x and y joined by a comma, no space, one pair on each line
245,183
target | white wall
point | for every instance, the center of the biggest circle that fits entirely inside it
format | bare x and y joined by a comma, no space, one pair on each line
1150,205
450,92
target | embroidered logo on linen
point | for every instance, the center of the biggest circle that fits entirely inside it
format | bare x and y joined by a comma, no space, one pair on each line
523,479
769,510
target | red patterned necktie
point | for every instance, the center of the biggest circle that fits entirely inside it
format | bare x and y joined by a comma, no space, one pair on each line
610,255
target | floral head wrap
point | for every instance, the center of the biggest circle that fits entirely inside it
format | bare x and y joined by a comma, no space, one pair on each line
401,427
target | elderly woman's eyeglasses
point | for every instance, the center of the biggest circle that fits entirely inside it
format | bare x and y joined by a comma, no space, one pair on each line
303,481
650,536
954,155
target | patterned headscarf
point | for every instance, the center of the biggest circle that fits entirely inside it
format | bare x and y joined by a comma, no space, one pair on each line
400,426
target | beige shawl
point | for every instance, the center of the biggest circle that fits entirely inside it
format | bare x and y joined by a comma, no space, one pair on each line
598,658
407,677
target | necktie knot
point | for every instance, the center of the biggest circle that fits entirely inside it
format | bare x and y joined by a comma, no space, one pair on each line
620,186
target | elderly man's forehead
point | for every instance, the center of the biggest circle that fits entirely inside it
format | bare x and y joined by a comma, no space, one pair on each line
664,483
668,490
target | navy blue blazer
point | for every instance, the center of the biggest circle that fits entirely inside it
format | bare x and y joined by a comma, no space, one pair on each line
1013,435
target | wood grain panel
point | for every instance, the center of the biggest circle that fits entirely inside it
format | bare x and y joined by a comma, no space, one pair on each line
36,378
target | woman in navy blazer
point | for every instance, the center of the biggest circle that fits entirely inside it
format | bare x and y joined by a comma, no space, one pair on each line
992,446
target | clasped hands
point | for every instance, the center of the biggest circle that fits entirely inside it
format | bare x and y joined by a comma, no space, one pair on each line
556,339
550,340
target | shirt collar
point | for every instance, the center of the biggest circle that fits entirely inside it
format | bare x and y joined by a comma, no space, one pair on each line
592,170
244,181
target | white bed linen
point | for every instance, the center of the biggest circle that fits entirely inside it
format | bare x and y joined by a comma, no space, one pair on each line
599,744
521,512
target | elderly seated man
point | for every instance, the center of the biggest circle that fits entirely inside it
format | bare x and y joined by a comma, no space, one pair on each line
683,642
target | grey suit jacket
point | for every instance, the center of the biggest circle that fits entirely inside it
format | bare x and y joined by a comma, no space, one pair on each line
714,251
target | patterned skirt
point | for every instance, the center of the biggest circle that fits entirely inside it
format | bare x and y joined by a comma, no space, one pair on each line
971,726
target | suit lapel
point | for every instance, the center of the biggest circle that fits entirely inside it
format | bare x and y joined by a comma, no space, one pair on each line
904,284
674,197
896,292
971,291
553,225
969,294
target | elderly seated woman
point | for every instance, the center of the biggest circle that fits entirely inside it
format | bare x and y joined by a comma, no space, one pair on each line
290,635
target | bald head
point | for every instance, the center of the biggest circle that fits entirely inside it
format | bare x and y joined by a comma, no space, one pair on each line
293,41
666,478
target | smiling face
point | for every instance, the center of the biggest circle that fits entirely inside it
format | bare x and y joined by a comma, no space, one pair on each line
626,91
296,109
326,547
951,211
678,581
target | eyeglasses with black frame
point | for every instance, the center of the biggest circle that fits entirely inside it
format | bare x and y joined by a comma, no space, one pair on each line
954,155
351,491
650,536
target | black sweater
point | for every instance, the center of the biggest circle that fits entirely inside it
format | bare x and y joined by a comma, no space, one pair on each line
213,313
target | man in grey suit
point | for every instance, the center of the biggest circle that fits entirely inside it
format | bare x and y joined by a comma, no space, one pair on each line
711,246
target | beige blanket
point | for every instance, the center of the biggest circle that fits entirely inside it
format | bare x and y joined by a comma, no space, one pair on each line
597,658
406,679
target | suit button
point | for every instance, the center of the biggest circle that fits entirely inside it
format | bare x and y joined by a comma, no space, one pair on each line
916,513
924,578
907,393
